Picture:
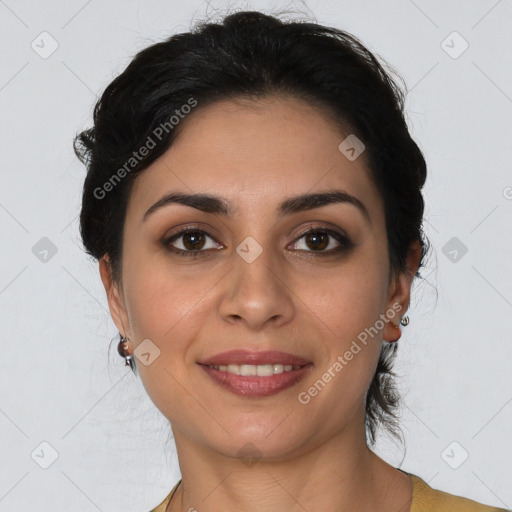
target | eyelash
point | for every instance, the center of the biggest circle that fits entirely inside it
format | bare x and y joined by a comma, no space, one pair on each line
342,239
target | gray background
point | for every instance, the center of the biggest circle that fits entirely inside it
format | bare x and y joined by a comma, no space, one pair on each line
59,386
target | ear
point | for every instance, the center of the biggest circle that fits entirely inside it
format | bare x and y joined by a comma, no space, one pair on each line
399,292
114,297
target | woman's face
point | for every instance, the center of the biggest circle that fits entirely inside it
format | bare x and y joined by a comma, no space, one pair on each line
255,281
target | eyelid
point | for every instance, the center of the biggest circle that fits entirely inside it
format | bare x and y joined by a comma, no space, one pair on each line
325,226
305,231
193,226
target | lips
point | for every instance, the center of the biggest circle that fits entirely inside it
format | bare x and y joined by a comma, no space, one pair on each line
256,386
255,358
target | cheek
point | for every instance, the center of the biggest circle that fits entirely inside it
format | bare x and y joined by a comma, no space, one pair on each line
349,304
169,312
347,301
161,304
352,342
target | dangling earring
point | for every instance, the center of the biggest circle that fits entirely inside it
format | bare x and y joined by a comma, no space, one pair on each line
124,351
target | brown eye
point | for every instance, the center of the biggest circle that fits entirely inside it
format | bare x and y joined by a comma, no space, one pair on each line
193,240
189,242
318,240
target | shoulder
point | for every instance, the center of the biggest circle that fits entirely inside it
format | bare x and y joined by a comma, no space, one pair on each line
427,499
162,506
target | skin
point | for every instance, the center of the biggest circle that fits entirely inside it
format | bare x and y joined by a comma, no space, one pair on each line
309,456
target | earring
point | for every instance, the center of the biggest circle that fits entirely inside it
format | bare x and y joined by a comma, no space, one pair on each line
404,320
124,351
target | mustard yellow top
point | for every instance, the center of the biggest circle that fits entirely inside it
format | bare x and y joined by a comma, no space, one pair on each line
424,499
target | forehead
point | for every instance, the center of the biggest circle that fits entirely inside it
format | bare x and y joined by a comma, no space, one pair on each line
256,153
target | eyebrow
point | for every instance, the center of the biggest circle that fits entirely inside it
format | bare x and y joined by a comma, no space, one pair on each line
213,204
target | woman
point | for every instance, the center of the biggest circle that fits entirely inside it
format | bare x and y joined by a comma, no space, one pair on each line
254,200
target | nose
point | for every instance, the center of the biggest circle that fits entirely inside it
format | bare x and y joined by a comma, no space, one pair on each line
255,292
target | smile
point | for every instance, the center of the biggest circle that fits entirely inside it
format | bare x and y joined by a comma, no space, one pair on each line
256,380
261,370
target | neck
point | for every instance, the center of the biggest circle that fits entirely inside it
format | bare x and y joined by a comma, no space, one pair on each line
340,474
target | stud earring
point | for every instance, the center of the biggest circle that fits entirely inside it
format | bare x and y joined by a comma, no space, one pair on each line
404,320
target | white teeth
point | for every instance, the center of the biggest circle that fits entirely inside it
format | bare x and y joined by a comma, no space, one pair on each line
248,369
231,368
261,370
